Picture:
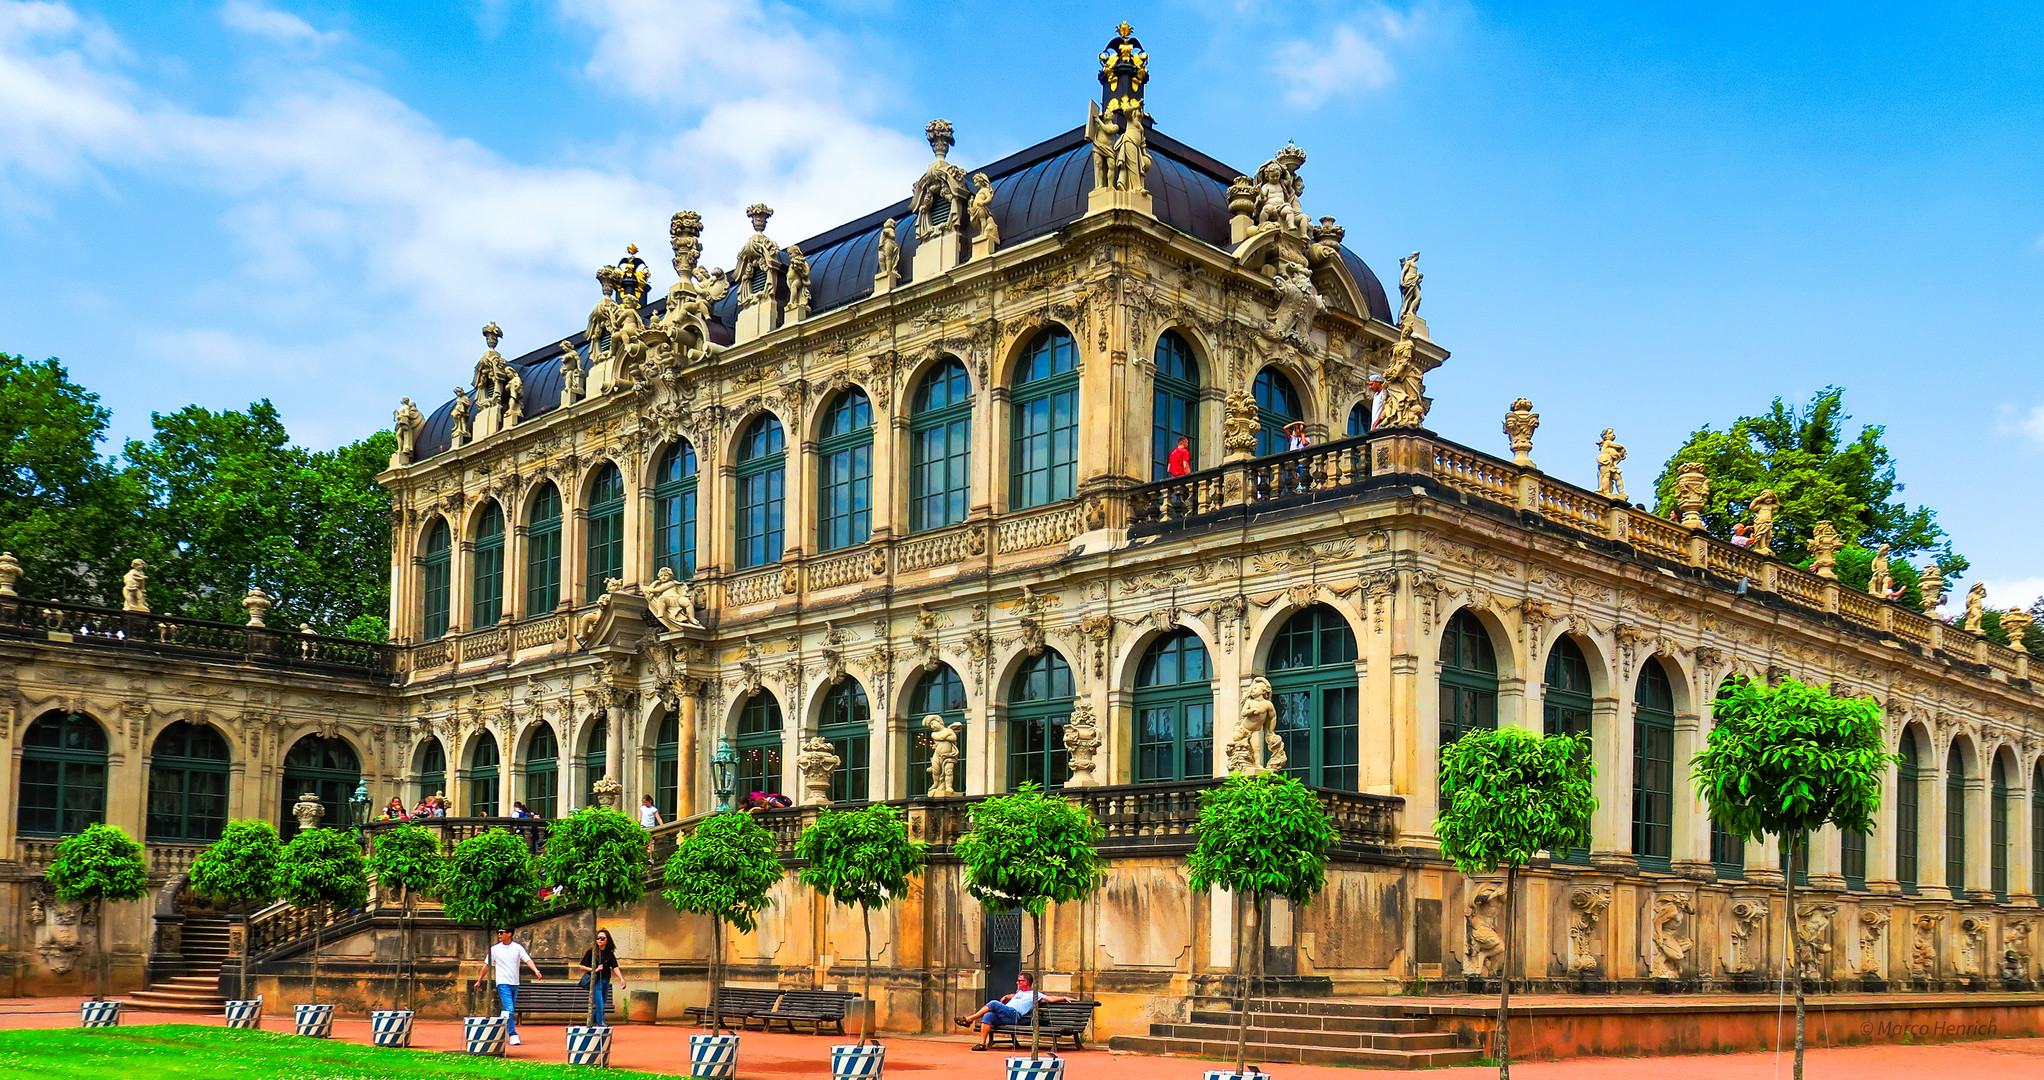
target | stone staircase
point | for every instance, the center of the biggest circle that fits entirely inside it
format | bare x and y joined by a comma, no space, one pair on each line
198,989
1302,1031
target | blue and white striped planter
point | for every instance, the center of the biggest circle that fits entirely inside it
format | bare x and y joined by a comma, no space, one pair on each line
1225,1074
1043,1068
485,1034
589,1046
245,1014
856,1062
99,1014
391,1027
316,1021
713,1057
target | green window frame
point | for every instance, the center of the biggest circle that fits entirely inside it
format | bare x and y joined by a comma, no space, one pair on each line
938,692
483,780
1174,710
1359,418
1566,706
847,724
1727,852
667,767
844,476
1998,833
543,772
1044,442
431,771
1852,858
188,778
1312,673
1277,404
762,492
487,579
1469,678
674,510
595,758
1653,768
1908,812
543,552
327,768
940,449
759,745
436,580
1174,406
604,531
63,776
1955,821
2037,831
1040,700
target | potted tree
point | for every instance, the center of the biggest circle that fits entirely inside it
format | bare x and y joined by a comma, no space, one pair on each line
862,858
1787,760
241,867
725,869
1261,834
597,856
1508,794
407,858
319,871
489,880
1031,850
94,867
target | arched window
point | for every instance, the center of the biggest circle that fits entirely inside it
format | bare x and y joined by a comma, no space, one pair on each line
1175,710
1955,821
1653,767
2037,830
1313,678
847,725
487,582
187,784
482,777
606,531
1039,706
1852,857
1359,418
543,552
1174,410
1727,852
1469,678
940,449
674,510
1044,452
431,770
324,768
1998,832
762,492
759,745
1566,708
844,478
595,758
667,766
937,693
434,587
1277,404
63,776
1908,810
543,773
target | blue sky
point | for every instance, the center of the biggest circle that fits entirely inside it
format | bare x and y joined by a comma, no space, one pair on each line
1642,216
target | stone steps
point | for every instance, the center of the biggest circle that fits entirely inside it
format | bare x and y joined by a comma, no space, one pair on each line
1286,1054
1381,1025
1361,1040
203,945
1306,1032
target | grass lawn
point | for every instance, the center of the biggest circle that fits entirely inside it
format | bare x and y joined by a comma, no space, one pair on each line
190,1052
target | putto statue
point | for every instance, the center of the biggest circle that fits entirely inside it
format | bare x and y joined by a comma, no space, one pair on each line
514,398
1824,548
1520,423
1610,482
1101,131
571,375
1976,605
943,756
461,418
981,210
798,284
671,601
406,425
1257,747
816,762
1764,507
888,258
135,587
1277,189
1880,579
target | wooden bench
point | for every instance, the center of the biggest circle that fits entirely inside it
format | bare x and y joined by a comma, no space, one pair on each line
813,1007
1060,1020
551,997
737,1003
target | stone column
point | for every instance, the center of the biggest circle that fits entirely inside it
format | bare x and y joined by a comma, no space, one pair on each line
638,516
890,473
687,720
1930,830
574,550
1827,859
1611,749
1689,838
461,583
614,714
401,577
515,540
1979,834
1881,842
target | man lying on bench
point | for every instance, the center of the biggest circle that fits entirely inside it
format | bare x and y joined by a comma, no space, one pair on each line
1011,1011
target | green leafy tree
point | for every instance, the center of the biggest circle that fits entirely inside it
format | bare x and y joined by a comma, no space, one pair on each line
1786,761
322,870
1507,795
94,867
726,869
598,855
407,857
1031,850
489,880
65,510
861,858
1260,835
240,867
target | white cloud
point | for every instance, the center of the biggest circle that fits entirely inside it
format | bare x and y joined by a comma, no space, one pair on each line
280,27
1353,56
2029,424
2005,593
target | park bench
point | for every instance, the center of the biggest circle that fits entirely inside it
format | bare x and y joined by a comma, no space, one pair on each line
813,1007
552,997
738,1003
1060,1020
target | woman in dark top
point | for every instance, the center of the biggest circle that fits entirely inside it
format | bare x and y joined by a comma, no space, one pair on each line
600,961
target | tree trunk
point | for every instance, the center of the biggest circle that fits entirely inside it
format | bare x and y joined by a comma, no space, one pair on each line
241,976
716,974
1248,953
1795,950
866,1025
318,927
1505,981
405,967
100,949
1036,986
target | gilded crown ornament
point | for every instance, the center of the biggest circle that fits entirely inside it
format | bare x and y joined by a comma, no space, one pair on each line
1124,69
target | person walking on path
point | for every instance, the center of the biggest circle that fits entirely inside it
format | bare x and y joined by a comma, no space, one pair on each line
1011,1011
1181,457
505,956
649,815
601,964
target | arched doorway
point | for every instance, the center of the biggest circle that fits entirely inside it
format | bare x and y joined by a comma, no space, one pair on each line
1312,672
325,768
187,785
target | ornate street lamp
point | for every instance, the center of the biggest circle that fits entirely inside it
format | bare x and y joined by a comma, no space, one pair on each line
724,774
358,805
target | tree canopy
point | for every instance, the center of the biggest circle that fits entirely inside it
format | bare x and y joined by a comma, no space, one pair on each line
727,869
599,855
323,867
489,880
241,865
1509,793
1790,759
1262,834
64,510
408,856
860,858
101,863
1029,849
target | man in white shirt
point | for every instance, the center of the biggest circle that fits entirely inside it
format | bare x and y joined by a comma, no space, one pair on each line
1011,1011
505,956
649,815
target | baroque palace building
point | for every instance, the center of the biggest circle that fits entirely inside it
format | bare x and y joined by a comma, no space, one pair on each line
804,525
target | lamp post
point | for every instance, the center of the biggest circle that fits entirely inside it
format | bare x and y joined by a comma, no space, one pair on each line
358,805
724,773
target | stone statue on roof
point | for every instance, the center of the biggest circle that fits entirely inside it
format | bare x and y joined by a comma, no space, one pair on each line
571,375
1278,187
1610,452
942,180
514,398
1296,304
798,284
1132,153
1409,278
1101,131
757,258
685,324
407,424
888,257
1406,403
461,429
982,211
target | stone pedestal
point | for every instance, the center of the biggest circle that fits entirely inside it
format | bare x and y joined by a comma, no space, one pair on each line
1101,200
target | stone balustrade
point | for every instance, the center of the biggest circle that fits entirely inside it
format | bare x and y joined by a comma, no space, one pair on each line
170,635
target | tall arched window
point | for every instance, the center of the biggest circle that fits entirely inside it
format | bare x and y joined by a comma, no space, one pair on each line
1469,678
759,745
1313,678
1653,767
1727,852
1998,831
847,725
844,478
674,510
762,492
1044,452
543,552
1908,810
1955,821
595,758
434,586
1174,410
63,776
1277,404
1175,710
1359,418
487,582
667,766
1852,858
324,768
1039,706
940,448
606,531
937,693
1566,703
543,773
187,784
482,777
431,770
2037,830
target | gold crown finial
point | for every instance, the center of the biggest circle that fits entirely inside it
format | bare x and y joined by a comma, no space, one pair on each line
1124,30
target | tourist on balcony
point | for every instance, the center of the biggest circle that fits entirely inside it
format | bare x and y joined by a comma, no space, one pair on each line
424,809
600,965
649,814
1295,436
505,957
1181,458
1011,1011
767,800
394,810
440,806
1739,536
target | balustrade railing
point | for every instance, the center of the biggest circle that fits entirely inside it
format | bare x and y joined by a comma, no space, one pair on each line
1909,626
173,858
1656,534
1801,586
754,588
1476,474
829,572
1859,607
34,854
2001,658
937,549
145,631
483,643
540,632
432,654
1038,530
1573,506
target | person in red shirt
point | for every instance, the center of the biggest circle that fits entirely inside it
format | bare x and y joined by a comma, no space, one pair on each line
1181,457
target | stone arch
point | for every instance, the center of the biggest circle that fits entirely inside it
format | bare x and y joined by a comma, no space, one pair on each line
522,734
744,424
465,744
904,688
649,472
812,709
1212,373
586,482
1122,668
814,419
1597,654
1257,639
425,529
1011,660
472,516
1681,679
1004,378
1303,384
528,498
1501,637
919,369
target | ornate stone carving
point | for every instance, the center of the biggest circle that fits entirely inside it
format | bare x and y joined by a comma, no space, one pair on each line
1484,919
758,257
2015,950
1923,945
608,792
135,587
816,762
1931,583
1873,926
1405,401
407,423
1082,744
981,210
1764,506
1813,936
10,572
943,755
1824,547
308,810
1586,908
1610,481
461,420
257,603
1257,747
1240,425
1880,579
1520,423
888,258
1409,278
942,180
798,284
2015,622
1749,914
1692,492
1671,938
1972,946
671,600
1277,189
1295,305
572,376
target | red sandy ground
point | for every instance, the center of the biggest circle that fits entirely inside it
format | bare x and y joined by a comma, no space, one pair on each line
664,1048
